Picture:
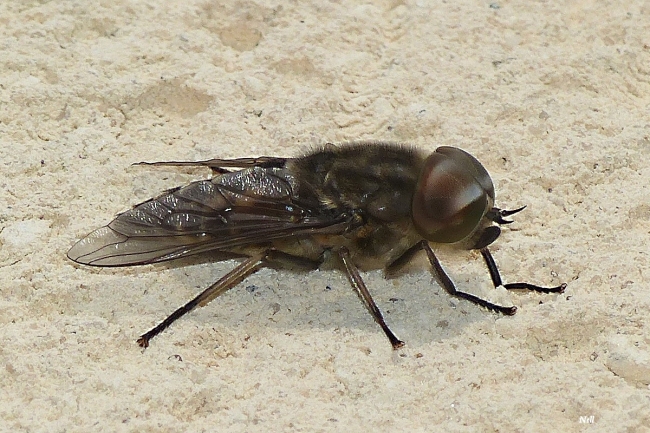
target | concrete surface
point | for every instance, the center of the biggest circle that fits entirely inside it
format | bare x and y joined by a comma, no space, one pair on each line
552,97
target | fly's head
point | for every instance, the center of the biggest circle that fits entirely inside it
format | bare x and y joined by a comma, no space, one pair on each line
454,200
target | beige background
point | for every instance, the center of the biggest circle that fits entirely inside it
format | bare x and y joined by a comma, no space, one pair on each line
552,97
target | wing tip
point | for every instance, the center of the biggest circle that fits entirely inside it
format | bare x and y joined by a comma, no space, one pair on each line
86,251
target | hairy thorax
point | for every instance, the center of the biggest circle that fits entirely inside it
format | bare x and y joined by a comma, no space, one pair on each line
374,187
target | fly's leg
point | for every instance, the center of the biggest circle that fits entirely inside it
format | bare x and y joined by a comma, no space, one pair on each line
394,267
231,279
449,286
218,164
279,260
496,278
269,258
444,279
361,289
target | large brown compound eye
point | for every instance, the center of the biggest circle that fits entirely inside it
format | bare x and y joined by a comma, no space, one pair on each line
453,194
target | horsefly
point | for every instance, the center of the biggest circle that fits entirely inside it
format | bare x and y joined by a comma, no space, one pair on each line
360,206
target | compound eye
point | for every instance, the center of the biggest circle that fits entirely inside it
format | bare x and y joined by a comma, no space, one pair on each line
453,194
472,165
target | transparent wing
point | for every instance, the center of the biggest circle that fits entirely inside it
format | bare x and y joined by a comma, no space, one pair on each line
246,207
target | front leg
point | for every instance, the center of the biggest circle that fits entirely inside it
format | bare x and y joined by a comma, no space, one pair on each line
496,278
449,286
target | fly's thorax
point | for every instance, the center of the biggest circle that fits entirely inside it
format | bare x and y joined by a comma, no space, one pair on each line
377,179
453,195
